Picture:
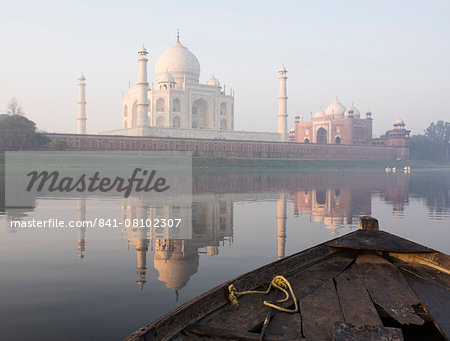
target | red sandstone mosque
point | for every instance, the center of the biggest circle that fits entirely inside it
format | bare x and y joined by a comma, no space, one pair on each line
338,125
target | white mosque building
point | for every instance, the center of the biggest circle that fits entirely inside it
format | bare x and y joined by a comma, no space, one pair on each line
178,105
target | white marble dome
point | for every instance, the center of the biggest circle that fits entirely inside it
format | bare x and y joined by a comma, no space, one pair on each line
320,113
336,108
355,113
178,61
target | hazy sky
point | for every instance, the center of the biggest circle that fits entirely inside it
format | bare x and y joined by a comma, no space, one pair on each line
392,57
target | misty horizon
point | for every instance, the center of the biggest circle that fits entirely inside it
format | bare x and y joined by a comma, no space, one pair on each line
383,57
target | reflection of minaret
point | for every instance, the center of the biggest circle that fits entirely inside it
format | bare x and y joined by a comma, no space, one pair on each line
281,224
81,216
141,250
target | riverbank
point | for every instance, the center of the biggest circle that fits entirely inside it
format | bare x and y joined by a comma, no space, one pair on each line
313,164
240,163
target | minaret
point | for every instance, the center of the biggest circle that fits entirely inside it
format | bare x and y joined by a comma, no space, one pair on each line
141,250
142,84
81,117
282,106
81,216
281,225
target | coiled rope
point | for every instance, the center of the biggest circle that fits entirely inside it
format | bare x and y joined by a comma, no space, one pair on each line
278,282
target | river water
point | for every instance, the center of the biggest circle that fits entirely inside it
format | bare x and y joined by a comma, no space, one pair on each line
98,283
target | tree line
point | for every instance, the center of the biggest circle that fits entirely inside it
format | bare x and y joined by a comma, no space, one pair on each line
433,144
17,131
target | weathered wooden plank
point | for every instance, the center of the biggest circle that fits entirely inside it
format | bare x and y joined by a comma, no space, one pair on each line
355,302
377,241
289,326
437,260
251,311
428,273
388,288
320,310
350,332
308,280
188,336
190,312
225,334
435,299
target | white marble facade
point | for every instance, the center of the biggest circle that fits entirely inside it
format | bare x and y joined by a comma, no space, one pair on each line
177,99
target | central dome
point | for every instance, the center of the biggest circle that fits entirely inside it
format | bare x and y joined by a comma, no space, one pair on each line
178,61
335,108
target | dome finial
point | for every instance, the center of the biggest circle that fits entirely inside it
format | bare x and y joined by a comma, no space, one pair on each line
178,35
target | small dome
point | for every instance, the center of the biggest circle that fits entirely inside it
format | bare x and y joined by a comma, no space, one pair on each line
335,108
180,62
214,82
399,122
282,70
320,113
165,77
355,112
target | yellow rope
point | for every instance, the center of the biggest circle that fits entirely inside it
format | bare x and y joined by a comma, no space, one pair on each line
278,282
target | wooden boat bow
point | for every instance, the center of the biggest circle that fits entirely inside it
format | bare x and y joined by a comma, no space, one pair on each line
366,285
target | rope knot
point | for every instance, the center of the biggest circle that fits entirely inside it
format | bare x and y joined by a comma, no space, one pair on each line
232,296
278,282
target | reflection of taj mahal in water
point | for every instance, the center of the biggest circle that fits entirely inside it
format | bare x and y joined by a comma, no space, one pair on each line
205,225
330,200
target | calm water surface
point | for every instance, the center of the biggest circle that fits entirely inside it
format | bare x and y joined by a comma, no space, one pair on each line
99,283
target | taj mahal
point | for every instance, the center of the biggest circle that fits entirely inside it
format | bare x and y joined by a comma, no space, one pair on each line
178,106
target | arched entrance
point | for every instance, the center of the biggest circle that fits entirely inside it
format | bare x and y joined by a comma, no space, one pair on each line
321,136
200,114
338,140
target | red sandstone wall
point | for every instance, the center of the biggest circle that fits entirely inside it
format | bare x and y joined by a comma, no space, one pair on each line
227,148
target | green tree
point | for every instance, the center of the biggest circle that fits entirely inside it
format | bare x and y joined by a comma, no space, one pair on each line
41,140
60,145
439,133
14,108
18,132
434,144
